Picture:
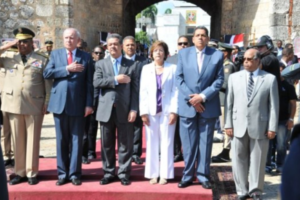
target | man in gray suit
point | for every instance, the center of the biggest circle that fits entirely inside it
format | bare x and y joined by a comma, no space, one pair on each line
252,107
182,43
118,104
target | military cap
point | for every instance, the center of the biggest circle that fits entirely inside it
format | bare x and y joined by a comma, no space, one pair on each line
213,43
23,33
49,43
224,47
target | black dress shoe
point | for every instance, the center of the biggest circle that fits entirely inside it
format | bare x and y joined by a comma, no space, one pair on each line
243,197
76,181
178,158
18,179
32,181
106,181
91,156
125,181
221,157
7,162
206,185
137,160
61,181
183,184
85,160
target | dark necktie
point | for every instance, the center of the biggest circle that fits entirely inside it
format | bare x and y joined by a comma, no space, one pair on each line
24,59
250,86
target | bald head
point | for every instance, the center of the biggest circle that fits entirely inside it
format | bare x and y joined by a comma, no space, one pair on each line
251,60
71,38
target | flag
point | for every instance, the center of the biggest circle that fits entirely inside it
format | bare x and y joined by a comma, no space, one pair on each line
235,39
191,17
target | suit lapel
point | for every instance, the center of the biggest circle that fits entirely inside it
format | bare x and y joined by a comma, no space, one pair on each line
30,60
259,82
244,84
123,66
64,57
205,62
109,66
165,73
78,56
193,59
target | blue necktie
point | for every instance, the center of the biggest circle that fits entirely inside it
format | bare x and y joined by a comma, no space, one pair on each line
115,65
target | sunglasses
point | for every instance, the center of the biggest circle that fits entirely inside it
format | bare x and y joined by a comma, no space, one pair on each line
98,53
23,41
248,59
182,43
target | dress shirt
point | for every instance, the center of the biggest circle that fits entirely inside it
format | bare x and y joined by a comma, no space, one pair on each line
254,76
282,61
130,58
200,67
73,57
119,60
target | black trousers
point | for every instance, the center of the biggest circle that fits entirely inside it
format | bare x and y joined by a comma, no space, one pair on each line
138,136
3,183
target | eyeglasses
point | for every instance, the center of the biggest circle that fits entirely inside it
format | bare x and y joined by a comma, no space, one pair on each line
23,41
98,53
182,43
248,59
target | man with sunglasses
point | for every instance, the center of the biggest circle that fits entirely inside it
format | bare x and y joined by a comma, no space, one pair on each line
252,108
129,48
91,124
182,43
25,98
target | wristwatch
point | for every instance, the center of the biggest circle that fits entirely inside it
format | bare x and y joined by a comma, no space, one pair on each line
291,119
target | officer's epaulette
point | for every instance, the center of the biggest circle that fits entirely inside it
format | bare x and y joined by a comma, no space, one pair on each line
41,54
228,62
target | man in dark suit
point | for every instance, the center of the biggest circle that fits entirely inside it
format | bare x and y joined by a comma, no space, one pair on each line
182,43
294,59
117,78
200,76
129,48
71,100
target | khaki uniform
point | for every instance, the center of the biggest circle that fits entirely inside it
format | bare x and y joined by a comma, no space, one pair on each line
6,137
229,68
24,94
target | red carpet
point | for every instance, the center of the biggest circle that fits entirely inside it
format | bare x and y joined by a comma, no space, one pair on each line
140,189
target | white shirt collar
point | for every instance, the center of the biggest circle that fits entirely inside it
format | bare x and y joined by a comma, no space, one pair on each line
255,73
283,62
119,59
130,58
73,52
203,50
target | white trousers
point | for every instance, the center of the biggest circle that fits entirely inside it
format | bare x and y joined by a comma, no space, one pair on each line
160,136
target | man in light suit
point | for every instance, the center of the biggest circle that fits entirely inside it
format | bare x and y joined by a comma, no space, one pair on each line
118,105
199,77
71,100
182,43
129,48
252,107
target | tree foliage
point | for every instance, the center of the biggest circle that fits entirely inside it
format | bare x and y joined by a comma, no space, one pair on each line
142,37
168,11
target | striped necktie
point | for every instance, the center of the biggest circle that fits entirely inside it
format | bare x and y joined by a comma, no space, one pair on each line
250,86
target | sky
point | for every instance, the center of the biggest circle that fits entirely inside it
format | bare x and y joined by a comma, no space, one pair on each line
163,6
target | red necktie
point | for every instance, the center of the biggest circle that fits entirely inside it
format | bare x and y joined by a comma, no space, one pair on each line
70,59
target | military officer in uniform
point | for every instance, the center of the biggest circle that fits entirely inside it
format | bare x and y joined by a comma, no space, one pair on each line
229,68
25,97
6,137
49,47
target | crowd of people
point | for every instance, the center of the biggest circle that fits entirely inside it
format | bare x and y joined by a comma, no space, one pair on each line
181,100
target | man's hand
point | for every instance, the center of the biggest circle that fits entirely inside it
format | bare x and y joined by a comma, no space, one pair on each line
195,99
75,67
9,44
88,111
229,132
145,119
122,78
45,109
131,116
271,134
199,107
289,124
172,118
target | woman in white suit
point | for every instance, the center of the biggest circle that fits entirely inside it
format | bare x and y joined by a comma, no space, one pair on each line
158,109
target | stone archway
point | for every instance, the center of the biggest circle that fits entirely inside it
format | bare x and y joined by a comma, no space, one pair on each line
132,7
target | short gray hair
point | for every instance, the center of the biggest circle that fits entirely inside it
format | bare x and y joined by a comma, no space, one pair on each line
115,35
129,37
73,29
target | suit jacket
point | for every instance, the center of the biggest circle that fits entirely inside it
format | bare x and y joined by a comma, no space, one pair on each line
148,90
25,91
260,113
208,82
123,96
71,92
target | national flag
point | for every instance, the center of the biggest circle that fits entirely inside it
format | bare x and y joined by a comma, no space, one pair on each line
235,39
